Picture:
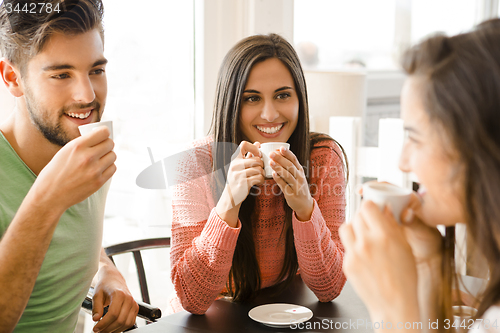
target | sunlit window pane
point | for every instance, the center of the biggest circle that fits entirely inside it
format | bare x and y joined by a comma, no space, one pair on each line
149,46
448,16
346,33
150,70
332,34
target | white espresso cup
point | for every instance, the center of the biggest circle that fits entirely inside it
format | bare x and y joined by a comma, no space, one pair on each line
84,129
266,149
383,194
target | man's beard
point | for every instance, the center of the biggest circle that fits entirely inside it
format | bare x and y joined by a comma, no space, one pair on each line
54,132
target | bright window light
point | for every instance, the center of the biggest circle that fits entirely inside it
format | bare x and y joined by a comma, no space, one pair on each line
448,16
336,34
346,33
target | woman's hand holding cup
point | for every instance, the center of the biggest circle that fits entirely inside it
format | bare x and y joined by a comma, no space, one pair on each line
379,263
382,257
426,241
246,170
290,177
406,205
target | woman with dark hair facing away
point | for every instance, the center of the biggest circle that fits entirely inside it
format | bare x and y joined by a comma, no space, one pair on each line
235,232
451,111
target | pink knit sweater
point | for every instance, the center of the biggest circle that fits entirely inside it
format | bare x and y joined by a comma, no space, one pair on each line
203,244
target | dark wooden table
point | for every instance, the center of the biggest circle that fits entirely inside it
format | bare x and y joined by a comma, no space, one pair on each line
346,313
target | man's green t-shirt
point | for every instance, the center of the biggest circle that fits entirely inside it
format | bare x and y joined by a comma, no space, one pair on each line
72,258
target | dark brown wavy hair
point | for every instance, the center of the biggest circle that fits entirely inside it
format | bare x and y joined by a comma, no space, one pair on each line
461,94
244,277
23,34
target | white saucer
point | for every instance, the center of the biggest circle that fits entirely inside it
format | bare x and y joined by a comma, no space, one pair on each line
280,315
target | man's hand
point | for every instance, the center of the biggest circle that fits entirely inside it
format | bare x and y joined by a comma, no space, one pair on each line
78,169
112,290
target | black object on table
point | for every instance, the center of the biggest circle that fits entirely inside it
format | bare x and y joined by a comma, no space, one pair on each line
346,313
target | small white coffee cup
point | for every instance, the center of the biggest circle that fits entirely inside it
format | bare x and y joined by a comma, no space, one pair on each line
266,149
84,129
382,194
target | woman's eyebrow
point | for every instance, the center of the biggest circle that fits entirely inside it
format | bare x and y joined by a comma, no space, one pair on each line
253,91
283,88
411,129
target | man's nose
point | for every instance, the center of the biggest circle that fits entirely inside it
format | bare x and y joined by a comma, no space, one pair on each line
84,91
269,112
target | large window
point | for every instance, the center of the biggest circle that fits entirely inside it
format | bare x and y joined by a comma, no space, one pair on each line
333,34
448,16
150,48
344,33
370,36
151,101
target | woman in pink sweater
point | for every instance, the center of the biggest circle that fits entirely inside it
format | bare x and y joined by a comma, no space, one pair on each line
235,232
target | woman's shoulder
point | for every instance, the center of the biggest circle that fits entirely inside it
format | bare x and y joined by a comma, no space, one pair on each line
196,154
323,146
490,321
493,313
199,149
203,143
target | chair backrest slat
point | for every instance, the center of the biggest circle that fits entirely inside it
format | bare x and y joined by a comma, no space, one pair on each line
136,247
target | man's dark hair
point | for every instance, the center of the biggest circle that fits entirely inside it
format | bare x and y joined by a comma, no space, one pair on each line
23,33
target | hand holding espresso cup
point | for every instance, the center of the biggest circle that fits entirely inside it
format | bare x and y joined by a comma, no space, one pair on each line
426,241
77,170
383,194
289,175
266,149
246,170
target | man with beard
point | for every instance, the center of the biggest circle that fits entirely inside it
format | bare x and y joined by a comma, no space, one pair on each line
53,182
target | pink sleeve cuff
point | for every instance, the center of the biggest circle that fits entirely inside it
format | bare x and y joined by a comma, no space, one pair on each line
309,230
220,233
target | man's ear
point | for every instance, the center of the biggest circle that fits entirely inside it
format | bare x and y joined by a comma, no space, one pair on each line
11,77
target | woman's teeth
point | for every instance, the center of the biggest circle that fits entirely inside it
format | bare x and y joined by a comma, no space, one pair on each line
270,130
80,115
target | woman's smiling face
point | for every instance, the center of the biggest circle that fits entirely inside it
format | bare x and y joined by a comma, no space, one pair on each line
434,162
270,105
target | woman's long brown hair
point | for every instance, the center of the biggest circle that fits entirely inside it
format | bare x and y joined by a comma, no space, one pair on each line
244,277
461,94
